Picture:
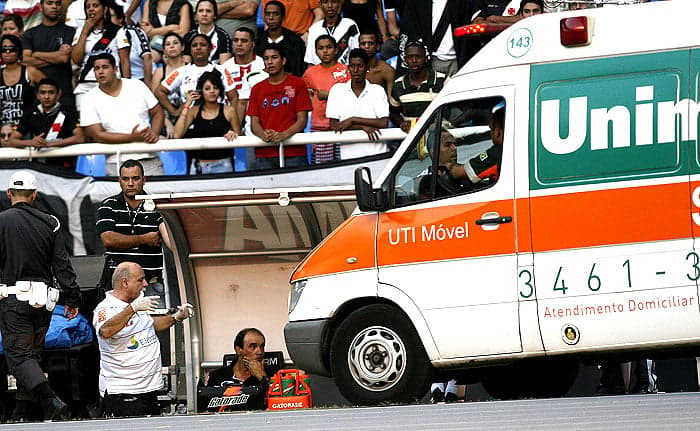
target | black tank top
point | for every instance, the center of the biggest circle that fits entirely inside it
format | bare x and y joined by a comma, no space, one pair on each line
15,98
203,128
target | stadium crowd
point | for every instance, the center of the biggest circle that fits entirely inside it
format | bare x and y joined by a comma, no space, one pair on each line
120,71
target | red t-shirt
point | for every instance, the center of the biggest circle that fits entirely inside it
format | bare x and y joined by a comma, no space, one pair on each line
319,77
277,105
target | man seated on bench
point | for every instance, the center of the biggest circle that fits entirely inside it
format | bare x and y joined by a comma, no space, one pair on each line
248,370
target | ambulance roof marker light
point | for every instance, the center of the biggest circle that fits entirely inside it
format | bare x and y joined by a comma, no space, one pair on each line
573,31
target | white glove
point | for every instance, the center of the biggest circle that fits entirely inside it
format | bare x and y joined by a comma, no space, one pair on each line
144,303
184,311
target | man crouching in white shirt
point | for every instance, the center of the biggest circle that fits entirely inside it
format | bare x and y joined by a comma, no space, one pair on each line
130,363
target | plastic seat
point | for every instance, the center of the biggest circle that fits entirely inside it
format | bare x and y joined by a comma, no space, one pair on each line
259,21
174,162
92,165
392,61
240,159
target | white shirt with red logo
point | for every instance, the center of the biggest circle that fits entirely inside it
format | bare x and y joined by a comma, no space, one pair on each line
130,360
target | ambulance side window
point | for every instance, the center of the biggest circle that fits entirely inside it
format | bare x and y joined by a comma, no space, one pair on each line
462,143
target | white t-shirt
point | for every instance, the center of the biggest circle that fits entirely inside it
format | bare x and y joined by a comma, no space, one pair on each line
343,104
345,31
184,79
119,41
242,77
121,113
130,360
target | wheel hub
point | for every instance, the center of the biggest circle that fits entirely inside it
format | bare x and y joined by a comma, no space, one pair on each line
377,358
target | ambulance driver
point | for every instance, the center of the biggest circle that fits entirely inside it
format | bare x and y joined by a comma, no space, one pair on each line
487,164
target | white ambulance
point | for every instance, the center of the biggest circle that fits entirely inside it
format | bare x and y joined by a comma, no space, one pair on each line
579,240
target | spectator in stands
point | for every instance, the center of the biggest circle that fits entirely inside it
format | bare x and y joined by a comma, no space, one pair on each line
5,134
48,47
300,15
173,59
234,14
17,81
205,14
160,17
378,71
358,105
292,44
184,79
28,10
414,91
50,124
368,14
494,12
13,24
96,36
530,8
204,116
343,30
242,72
131,371
447,55
279,108
320,78
248,370
120,111
140,58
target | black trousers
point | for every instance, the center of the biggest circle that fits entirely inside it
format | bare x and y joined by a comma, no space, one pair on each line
23,330
124,405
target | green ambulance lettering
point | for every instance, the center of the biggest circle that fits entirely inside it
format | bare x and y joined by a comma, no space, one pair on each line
611,119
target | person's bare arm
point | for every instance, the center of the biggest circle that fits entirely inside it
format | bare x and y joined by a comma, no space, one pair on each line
43,59
118,241
162,96
157,121
77,138
393,24
388,74
237,9
116,323
298,126
161,323
124,62
256,127
147,69
156,79
396,117
99,134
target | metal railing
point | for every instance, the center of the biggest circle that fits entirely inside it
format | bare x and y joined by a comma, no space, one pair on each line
347,137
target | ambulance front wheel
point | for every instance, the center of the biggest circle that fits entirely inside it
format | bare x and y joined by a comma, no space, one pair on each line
377,357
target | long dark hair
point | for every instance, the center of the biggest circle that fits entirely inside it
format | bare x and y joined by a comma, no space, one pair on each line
215,78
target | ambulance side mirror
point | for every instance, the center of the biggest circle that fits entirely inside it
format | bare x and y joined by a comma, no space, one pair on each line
367,198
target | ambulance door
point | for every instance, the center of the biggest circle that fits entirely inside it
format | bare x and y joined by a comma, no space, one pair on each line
613,243
448,242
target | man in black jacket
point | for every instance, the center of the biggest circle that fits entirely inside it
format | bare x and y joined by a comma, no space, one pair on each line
293,45
31,257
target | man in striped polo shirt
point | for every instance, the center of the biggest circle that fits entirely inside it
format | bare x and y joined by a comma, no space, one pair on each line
413,92
130,230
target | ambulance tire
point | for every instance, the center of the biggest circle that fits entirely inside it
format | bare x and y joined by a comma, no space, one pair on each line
546,378
377,357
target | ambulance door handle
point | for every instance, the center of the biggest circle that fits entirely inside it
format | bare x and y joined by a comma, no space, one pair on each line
492,220
496,220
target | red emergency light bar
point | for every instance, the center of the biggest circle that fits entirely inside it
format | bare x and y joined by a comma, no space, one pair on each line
479,29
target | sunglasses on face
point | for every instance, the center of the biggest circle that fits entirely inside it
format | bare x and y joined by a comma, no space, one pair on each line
5,135
11,48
